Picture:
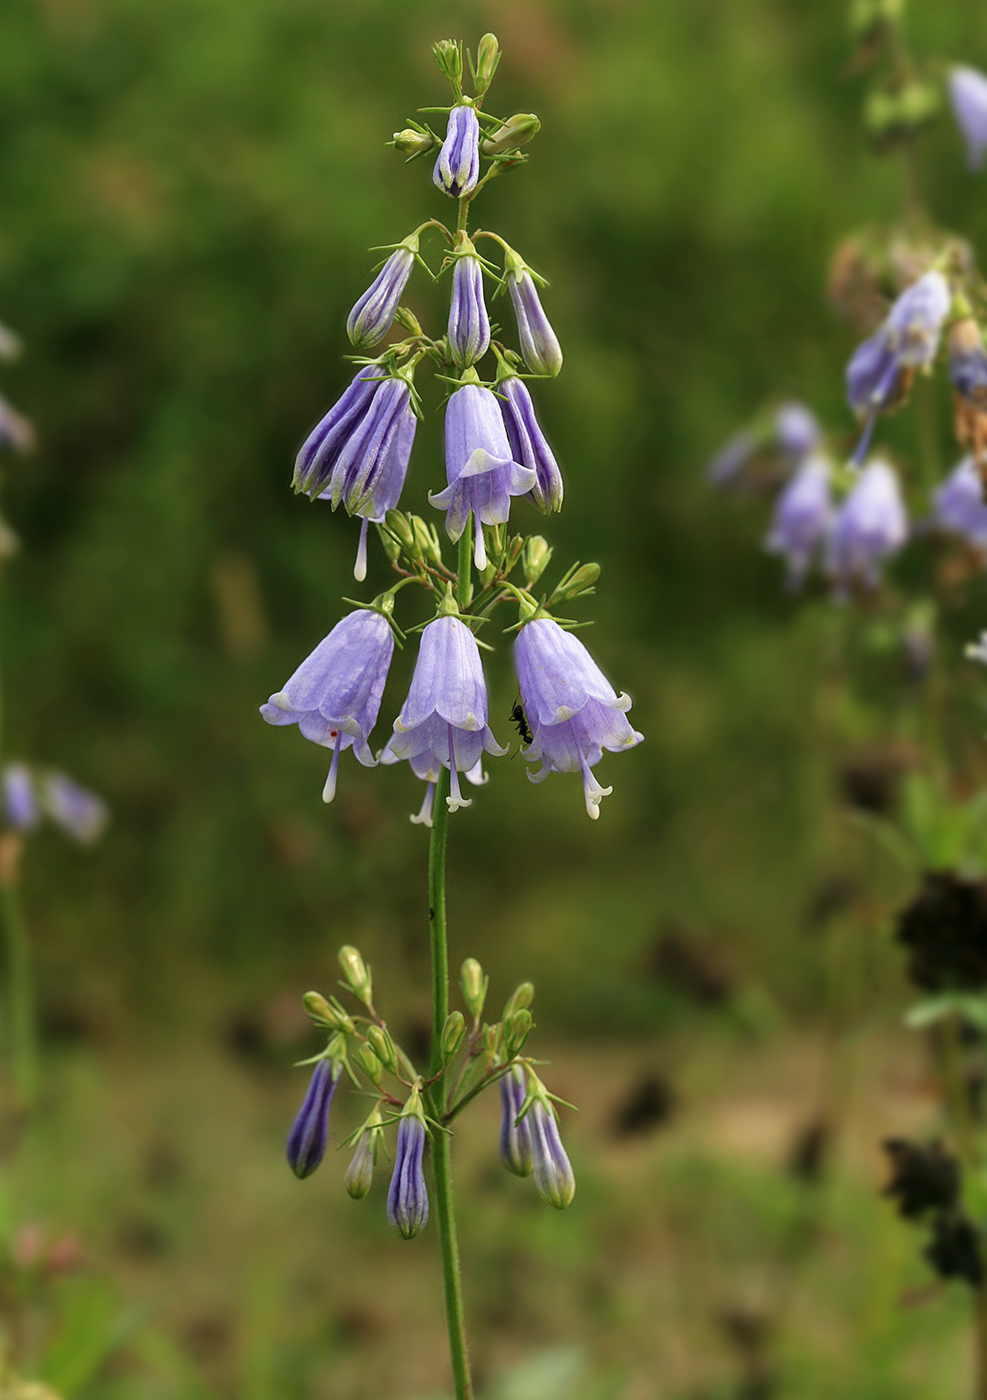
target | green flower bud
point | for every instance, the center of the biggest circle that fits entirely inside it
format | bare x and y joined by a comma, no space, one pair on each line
360,1173
449,57
426,541
383,1047
516,1030
576,582
412,143
474,983
535,556
401,528
869,17
487,58
520,999
893,116
515,132
356,972
326,1013
452,1035
369,1063
408,321
392,547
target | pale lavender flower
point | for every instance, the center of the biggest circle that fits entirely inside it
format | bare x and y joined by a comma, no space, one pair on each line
528,444
469,325
515,1137
727,465
309,1134
407,1198
968,94
797,433
334,696
880,369
425,766
480,469
803,517
444,719
317,455
553,1175
458,166
539,343
80,813
572,709
958,505
373,313
870,526
21,807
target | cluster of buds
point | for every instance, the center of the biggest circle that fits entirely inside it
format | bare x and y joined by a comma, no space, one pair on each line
496,453
474,1056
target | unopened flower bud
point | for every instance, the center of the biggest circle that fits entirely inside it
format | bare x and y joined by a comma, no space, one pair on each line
520,999
326,1013
373,313
890,116
412,143
360,1173
407,1198
517,1028
408,321
869,17
309,1134
580,581
487,58
356,972
535,558
457,169
516,131
452,1035
474,983
553,1176
539,343
449,57
383,1047
369,1063
515,1137
401,528
426,540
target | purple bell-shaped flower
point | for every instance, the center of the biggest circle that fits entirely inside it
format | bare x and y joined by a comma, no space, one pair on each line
528,443
802,519
309,1134
444,719
572,709
968,94
959,508
480,468
407,1197
334,696
21,808
870,526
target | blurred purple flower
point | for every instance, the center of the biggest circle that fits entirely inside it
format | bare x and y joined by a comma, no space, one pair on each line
958,505
880,370
797,433
968,94
80,814
870,526
458,166
309,1134
444,719
334,696
373,313
407,1197
553,1175
21,808
480,469
515,1138
539,343
802,519
528,444
469,324
572,709
726,466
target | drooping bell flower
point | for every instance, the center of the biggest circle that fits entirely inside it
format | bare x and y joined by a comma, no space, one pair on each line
515,1137
457,169
78,812
407,1197
469,324
373,313
309,1134
480,469
880,373
528,443
318,453
334,696
959,508
870,526
539,344
552,1172
803,517
572,709
21,808
444,719
968,94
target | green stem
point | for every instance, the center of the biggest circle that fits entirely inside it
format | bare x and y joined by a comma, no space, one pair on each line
441,1143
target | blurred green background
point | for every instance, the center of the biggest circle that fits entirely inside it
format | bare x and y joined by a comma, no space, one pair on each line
187,195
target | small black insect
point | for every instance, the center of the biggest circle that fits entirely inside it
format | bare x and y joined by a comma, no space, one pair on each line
519,718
